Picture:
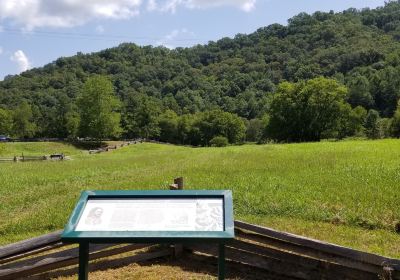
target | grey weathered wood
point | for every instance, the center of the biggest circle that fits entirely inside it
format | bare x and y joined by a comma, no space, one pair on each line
30,244
60,259
31,253
296,271
279,248
106,264
292,248
305,262
319,245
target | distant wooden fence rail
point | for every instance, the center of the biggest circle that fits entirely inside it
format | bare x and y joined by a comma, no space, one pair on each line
34,158
113,147
282,253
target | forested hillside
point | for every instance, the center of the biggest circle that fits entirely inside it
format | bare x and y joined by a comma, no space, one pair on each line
268,78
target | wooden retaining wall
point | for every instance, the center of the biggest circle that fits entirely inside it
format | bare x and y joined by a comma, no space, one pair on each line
263,248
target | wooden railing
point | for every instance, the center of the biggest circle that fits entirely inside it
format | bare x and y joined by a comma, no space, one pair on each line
278,252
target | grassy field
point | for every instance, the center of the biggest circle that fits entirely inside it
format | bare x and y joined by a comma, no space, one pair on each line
342,192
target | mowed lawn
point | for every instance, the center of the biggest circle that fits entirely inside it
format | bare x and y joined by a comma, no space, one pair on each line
342,192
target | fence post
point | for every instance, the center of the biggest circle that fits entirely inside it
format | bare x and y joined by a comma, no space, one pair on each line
177,185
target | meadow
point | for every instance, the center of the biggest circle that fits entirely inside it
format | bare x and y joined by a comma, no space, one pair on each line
343,192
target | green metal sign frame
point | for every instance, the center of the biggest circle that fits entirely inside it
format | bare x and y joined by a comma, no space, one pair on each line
70,235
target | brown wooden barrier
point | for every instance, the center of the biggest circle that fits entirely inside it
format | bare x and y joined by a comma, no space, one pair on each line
282,253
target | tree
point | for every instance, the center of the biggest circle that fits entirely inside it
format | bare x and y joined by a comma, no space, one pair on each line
6,122
99,118
23,125
219,141
372,124
359,92
254,130
306,111
352,121
141,116
395,124
72,121
217,123
168,123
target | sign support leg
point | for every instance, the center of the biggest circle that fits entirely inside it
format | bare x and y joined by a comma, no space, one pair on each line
221,261
83,260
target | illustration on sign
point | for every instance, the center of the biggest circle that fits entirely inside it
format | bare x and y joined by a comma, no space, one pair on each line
142,214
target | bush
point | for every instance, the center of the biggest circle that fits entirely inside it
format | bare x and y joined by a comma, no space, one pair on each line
219,141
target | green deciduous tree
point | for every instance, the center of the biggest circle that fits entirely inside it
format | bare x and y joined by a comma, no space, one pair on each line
214,123
168,123
98,109
395,124
23,125
306,111
372,124
141,116
6,122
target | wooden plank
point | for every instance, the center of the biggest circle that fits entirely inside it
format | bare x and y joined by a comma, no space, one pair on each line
303,261
307,252
60,259
281,267
244,258
31,253
30,244
319,245
105,264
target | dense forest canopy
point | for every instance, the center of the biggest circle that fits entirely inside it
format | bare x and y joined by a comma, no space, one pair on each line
175,95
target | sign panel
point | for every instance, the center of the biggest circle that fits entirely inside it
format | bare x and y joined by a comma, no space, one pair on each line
151,216
146,214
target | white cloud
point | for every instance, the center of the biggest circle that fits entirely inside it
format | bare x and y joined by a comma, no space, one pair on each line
173,36
65,13
31,14
152,5
21,60
172,5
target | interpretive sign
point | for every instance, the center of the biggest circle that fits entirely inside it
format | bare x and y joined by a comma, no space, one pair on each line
152,217
145,214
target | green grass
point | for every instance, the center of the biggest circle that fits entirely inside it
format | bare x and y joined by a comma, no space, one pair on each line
342,192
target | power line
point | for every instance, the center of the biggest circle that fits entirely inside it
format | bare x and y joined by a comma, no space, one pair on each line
88,36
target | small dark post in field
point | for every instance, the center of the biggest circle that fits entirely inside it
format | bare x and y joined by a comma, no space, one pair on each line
177,185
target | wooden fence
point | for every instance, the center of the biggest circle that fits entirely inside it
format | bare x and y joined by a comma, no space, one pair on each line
281,253
24,158
112,147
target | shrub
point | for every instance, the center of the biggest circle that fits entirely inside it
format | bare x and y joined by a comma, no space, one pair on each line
219,141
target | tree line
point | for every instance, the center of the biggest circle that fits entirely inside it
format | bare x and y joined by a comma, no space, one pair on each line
276,82
303,111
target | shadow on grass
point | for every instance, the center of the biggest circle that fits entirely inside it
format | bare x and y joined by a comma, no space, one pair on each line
187,266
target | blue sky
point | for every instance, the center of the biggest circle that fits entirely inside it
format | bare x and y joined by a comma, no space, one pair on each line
36,32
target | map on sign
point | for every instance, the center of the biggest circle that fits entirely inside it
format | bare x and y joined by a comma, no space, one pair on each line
152,214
